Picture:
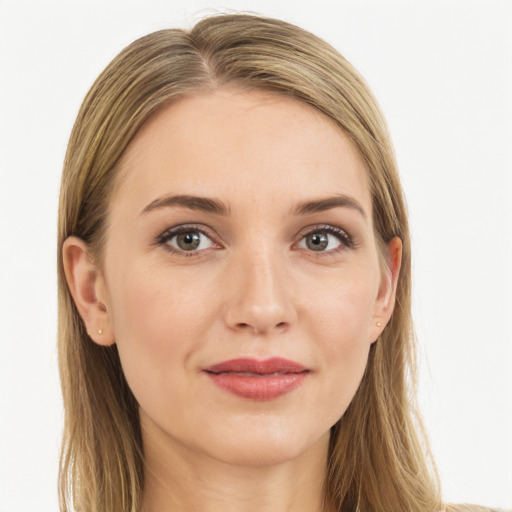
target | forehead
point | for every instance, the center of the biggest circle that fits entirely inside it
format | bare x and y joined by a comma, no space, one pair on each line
241,146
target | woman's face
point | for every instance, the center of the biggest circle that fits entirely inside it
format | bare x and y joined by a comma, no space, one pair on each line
240,235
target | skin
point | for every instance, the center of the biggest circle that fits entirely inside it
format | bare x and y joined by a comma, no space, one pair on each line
254,288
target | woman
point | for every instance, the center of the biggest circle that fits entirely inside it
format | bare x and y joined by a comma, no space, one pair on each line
234,266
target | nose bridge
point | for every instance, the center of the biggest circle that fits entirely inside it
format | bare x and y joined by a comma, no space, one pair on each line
261,297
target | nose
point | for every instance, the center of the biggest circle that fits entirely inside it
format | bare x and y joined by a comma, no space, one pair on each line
260,295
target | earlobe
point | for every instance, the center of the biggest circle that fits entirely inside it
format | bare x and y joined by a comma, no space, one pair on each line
87,288
387,291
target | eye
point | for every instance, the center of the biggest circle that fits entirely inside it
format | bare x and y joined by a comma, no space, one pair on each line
185,239
326,239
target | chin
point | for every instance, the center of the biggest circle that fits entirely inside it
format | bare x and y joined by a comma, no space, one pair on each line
275,448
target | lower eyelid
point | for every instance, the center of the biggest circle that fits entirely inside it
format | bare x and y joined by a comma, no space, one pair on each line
346,241
340,234
164,238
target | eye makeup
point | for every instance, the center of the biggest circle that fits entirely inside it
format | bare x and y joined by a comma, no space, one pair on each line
316,238
188,240
193,235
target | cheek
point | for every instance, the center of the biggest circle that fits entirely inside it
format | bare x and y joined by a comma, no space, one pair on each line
159,308
159,321
342,309
340,319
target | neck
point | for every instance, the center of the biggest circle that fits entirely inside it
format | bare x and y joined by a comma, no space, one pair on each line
179,479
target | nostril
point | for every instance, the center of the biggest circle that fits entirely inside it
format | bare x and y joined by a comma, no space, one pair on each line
245,326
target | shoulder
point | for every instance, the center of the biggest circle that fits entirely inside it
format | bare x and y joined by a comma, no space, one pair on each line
472,508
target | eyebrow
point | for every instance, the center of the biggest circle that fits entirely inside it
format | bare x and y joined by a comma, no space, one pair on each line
328,203
204,204
217,207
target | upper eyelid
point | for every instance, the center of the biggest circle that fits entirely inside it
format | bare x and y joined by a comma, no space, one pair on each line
332,229
319,227
346,240
176,230
171,232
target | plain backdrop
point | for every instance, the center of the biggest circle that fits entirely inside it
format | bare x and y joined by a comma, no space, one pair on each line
442,73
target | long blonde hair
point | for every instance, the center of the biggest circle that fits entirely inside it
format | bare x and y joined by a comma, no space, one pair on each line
379,459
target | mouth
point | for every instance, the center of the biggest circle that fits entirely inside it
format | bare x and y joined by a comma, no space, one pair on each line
257,380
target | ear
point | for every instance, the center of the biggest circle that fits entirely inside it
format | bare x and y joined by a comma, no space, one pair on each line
87,287
385,302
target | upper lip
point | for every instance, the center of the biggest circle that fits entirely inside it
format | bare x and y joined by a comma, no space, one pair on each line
249,365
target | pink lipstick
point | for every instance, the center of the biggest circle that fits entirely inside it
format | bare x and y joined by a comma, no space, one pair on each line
257,380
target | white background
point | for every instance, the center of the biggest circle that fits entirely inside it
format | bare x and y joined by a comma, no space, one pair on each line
442,73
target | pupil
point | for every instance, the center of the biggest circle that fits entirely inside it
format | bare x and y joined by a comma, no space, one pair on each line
317,242
188,241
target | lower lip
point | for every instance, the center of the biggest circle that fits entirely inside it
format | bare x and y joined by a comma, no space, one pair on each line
262,387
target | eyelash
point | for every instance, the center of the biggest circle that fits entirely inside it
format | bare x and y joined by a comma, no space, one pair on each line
169,234
345,239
